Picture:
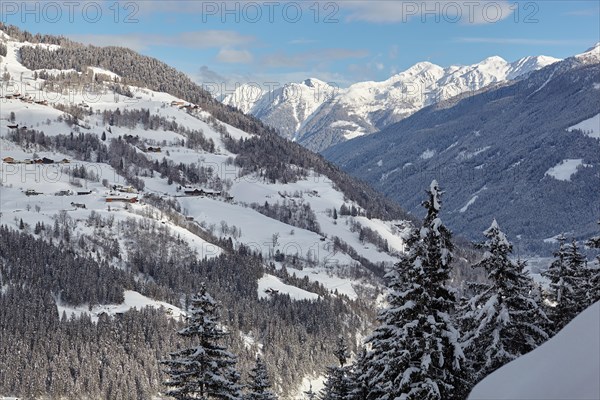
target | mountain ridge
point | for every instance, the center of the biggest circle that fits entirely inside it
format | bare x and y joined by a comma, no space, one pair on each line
329,115
520,141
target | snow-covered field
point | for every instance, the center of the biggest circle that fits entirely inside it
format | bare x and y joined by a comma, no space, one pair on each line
132,300
565,170
269,283
253,229
565,367
590,127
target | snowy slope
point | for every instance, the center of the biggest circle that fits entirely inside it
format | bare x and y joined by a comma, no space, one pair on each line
271,283
287,108
209,214
132,300
565,367
590,127
204,225
565,170
318,115
512,139
591,55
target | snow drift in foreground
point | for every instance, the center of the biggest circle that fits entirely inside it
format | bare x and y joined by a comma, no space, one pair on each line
565,367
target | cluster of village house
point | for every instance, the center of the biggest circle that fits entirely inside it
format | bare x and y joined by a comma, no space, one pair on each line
114,198
111,198
201,192
184,105
30,100
24,99
43,160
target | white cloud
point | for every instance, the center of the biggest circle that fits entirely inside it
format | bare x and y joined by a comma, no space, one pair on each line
206,74
469,12
234,56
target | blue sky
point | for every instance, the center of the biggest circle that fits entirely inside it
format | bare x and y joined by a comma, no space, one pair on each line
341,42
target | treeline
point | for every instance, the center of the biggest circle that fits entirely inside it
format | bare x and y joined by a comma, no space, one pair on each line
134,69
279,160
44,355
121,154
74,359
290,212
24,36
73,279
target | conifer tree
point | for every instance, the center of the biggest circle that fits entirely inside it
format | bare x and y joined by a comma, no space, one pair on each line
337,383
595,243
594,293
206,371
358,377
584,292
260,384
416,352
503,320
565,285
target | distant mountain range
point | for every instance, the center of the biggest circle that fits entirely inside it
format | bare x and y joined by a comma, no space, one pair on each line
524,152
319,115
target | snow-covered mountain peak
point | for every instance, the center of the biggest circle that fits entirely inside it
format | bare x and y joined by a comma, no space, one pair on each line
419,68
366,107
592,55
285,107
595,48
492,61
534,62
314,82
529,64
244,97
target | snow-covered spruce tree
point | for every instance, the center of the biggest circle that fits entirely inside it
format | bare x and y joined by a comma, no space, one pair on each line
502,320
359,387
594,242
259,386
206,371
594,294
415,352
587,292
337,382
566,285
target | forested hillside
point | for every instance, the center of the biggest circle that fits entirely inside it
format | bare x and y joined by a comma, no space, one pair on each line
515,153
156,244
145,193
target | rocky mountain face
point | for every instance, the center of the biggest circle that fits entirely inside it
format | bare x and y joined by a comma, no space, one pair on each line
319,115
526,153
